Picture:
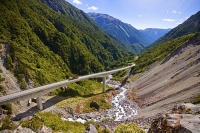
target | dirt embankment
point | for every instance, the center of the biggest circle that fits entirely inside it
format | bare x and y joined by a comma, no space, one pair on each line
10,83
173,81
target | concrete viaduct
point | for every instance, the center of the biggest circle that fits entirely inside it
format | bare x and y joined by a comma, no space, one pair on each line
38,92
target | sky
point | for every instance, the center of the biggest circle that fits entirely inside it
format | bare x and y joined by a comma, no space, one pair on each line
143,14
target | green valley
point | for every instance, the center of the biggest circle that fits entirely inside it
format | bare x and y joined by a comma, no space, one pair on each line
51,54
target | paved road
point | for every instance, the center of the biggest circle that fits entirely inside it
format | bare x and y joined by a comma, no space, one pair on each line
50,87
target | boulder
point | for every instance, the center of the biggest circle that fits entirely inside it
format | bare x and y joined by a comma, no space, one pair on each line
45,130
191,108
186,108
23,130
94,105
90,129
186,121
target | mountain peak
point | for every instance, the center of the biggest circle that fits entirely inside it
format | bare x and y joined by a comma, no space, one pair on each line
126,33
99,15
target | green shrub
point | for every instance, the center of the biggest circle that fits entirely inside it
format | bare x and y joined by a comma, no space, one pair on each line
1,79
23,85
100,100
88,123
107,119
128,128
1,88
83,88
7,107
55,122
196,100
35,124
6,123
99,130
119,75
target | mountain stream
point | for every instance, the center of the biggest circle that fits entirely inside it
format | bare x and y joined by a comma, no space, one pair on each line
122,108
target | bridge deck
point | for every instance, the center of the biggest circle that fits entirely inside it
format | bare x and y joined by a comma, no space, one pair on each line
42,90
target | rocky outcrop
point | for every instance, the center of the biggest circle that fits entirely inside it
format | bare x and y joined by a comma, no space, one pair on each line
90,129
65,112
23,130
184,119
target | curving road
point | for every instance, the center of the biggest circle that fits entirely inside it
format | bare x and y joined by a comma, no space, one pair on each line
40,91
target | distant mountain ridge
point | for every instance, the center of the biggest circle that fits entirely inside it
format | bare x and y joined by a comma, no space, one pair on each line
122,31
175,38
137,39
191,25
154,33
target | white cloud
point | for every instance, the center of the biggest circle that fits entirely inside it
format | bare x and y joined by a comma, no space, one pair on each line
169,20
174,11
187,17
140,15
78,2
93,8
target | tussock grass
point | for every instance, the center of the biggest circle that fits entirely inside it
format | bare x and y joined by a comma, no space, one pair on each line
196,100
128,128
53,121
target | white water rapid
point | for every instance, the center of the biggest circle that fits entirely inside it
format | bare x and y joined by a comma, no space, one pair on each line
122,109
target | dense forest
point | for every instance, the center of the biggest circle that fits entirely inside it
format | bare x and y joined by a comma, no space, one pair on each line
48,45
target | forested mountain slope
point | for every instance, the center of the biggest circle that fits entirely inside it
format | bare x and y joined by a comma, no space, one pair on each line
66,8
47,46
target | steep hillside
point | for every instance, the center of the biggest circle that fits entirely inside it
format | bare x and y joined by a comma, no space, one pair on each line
47,46
66,8
120,30
172,81
191,25
169,42
153,33
81,19
160,52
136,47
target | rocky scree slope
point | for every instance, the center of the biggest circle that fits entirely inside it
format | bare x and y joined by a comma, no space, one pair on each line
172,81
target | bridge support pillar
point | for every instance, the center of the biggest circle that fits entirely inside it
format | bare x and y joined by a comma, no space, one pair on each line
104,84
39,103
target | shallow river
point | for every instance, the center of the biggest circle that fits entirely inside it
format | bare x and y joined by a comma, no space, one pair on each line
122,109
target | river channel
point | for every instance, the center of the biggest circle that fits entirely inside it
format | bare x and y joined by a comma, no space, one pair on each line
122,108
